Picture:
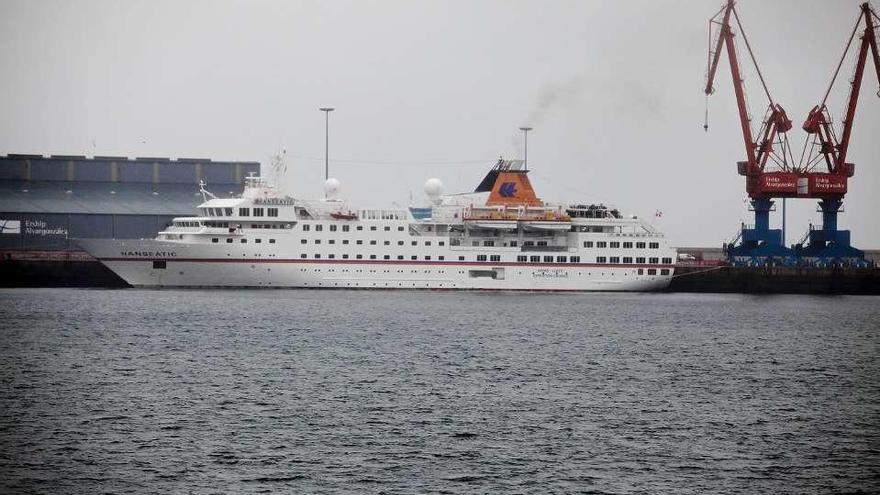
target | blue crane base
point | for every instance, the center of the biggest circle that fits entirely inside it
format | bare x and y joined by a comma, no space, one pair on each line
827,246
759,245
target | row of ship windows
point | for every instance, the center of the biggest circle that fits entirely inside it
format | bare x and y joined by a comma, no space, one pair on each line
242,212
229,240
372,242
455,242
617,244
483,257
614,260
345,228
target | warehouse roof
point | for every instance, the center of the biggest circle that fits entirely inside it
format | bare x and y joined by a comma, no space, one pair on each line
98,198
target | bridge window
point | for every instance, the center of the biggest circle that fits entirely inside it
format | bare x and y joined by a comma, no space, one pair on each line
258,212
654,245
272,212
640,245
228,212
244,212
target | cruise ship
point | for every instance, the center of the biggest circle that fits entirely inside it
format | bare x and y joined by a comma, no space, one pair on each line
501,236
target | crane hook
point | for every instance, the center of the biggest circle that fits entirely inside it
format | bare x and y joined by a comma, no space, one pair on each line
706,117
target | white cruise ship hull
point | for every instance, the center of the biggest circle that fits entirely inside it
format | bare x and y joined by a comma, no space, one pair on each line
154,263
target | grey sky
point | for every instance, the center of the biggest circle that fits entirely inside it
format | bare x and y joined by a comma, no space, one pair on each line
613,90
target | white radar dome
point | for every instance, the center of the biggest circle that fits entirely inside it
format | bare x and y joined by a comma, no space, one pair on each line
434,188
332,188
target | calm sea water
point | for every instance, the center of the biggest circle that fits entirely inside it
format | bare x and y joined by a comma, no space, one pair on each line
426,392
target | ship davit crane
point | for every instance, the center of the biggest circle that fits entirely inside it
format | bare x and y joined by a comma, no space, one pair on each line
769,167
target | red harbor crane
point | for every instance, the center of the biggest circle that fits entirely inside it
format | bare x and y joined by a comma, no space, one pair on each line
769,167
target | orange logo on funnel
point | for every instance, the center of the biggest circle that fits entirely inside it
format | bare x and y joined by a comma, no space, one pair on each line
511,189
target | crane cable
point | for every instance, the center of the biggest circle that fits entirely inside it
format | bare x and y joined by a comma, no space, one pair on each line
752,56
842,58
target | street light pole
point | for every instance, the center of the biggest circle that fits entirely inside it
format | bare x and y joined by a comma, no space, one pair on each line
526,140
326,111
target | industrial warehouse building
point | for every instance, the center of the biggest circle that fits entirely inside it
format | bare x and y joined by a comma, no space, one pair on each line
47,201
